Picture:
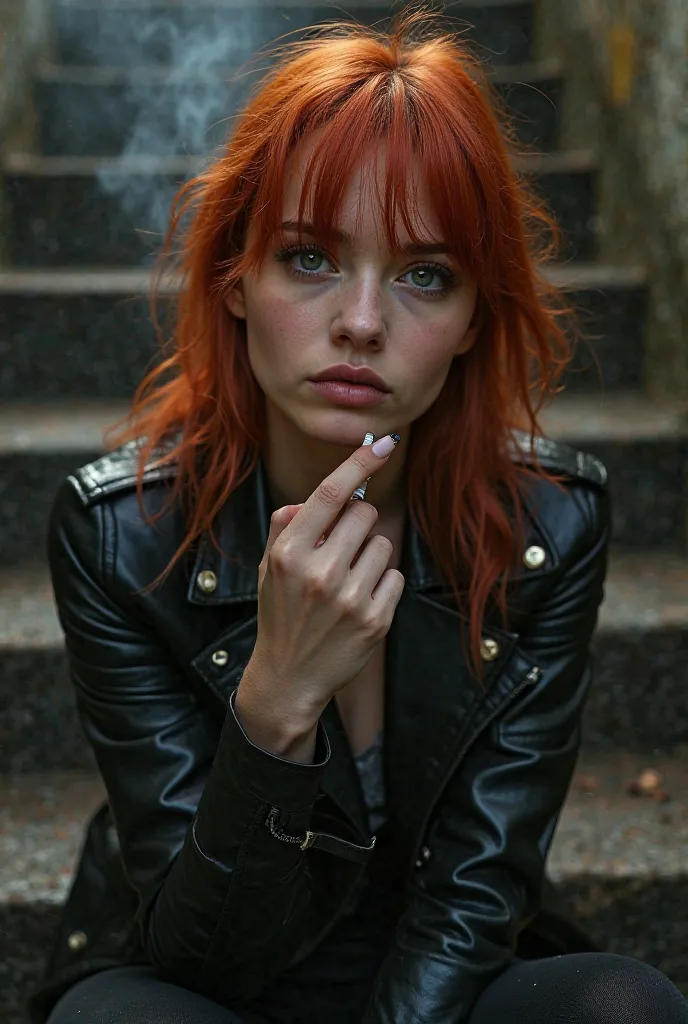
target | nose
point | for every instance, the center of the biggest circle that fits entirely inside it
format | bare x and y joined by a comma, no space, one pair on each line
360,317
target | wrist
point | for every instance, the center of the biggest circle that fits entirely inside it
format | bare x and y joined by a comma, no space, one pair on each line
273,725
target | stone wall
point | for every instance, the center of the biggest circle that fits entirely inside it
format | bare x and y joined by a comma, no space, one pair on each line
627,71
23,40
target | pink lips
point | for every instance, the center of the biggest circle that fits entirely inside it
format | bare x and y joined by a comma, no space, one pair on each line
355,375
345,393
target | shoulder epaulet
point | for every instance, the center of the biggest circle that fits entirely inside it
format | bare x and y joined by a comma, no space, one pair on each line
557,457
117,471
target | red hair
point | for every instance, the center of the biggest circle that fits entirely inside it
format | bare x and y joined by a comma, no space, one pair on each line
426,95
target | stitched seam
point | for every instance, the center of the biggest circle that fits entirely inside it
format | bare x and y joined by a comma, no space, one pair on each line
107,563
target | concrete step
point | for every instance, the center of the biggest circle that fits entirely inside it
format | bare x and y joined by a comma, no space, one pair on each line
644,446
99,318
618,861
636,703
217,34
112,111
84,210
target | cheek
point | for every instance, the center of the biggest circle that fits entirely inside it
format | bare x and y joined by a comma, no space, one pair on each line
429,356
273,320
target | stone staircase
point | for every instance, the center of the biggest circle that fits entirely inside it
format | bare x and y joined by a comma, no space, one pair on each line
107,152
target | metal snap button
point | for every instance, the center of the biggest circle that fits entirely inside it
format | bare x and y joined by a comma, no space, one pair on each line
77,941
220,657
425,853
489,649
207,581
534,557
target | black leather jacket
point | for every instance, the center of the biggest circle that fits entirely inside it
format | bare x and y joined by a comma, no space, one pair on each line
180,867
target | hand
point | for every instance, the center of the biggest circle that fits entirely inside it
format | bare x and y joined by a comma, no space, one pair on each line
323,605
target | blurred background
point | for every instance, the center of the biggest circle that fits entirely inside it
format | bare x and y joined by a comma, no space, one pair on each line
106,106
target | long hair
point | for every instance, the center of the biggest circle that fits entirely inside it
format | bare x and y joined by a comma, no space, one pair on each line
426,94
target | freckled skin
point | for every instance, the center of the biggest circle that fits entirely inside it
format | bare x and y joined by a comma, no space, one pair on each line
364,307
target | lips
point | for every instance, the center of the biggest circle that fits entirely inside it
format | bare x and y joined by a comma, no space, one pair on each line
361,375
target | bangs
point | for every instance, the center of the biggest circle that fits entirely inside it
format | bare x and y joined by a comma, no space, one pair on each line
422,140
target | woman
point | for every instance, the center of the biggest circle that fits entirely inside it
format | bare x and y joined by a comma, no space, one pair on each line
336,734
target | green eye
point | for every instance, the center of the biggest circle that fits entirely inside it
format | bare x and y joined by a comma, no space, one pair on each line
310,259
425,276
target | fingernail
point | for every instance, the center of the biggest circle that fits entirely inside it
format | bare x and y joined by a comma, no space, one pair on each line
385,445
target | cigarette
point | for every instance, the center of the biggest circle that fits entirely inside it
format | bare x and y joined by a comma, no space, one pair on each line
360,491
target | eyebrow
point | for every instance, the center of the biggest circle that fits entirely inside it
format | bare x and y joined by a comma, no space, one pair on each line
414,249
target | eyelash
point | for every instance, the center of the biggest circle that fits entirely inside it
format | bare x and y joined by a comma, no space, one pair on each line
447,276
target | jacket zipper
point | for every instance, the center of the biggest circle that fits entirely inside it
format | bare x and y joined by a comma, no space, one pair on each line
533,677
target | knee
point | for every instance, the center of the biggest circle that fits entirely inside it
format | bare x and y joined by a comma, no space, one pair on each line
617,989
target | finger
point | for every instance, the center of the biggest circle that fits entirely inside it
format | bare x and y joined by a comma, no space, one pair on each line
330,497
279,520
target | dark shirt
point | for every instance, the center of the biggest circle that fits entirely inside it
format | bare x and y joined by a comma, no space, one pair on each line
369,764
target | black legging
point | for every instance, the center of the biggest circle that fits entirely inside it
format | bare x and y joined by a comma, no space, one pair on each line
582,988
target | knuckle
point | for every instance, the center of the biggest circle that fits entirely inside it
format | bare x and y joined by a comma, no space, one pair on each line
367,512
330,492
349,602
373,627
361,462
318,581
280,555
384,543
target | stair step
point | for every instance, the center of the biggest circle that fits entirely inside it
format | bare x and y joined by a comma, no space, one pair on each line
80,210
219,34
636,702
643,446
603,830
100,318
37,165
534,72
587,419
594,419
113,110
125,281
644,590
617,860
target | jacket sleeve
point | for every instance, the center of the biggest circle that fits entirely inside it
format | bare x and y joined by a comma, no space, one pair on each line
494,825
189,795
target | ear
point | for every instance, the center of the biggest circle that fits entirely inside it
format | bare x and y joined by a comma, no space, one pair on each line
235,301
